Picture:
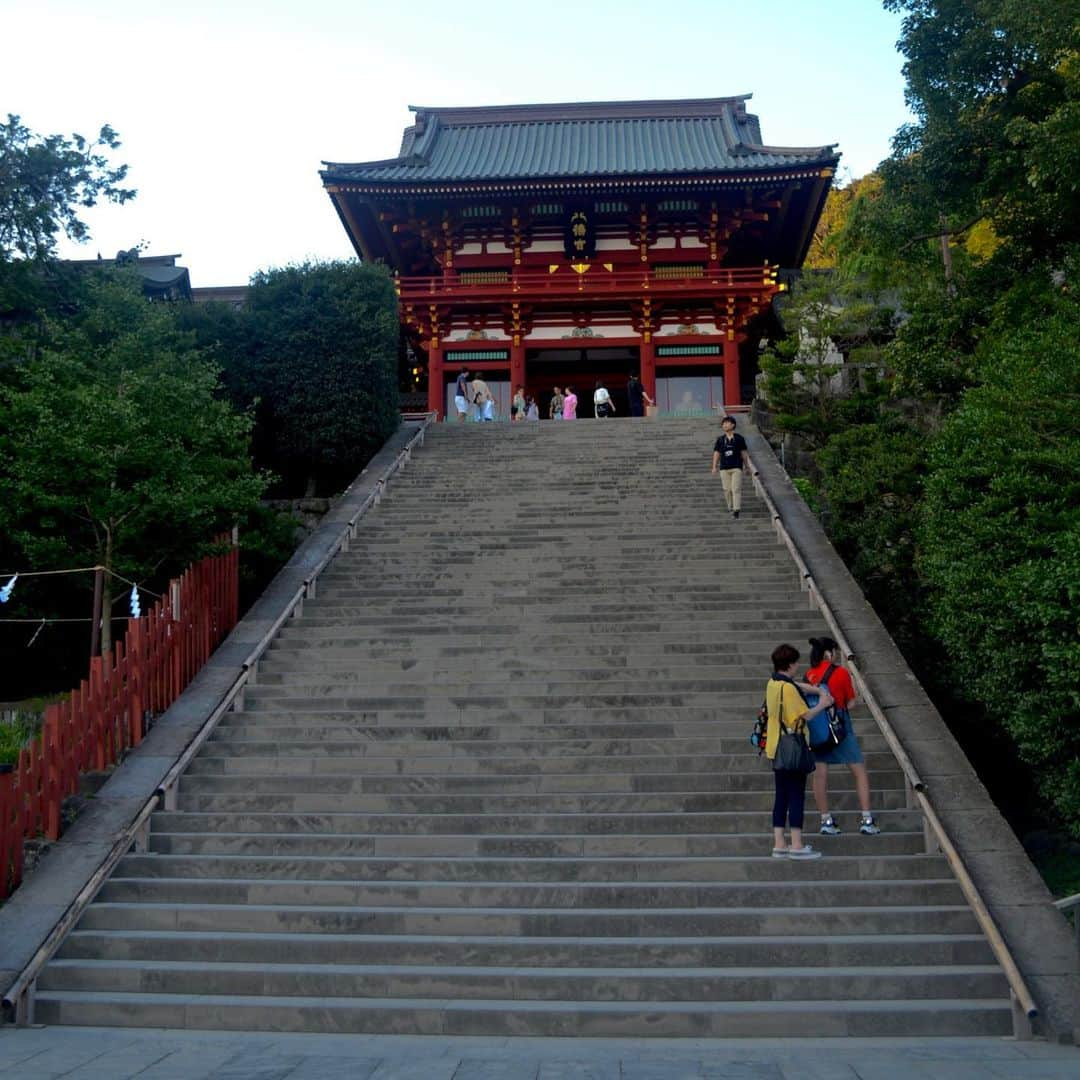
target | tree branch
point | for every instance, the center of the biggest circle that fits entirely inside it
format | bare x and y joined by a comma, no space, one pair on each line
937,233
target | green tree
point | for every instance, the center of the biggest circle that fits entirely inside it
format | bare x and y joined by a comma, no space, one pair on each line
117,447
995,89
871,483
46,183
833,335
1000,541
823,254
317,350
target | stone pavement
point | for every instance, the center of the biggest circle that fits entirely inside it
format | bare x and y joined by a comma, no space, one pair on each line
154,1054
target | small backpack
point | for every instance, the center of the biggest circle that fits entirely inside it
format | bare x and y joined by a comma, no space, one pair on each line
828,729
761,728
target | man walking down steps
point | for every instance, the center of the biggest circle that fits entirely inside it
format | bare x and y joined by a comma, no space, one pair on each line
731,457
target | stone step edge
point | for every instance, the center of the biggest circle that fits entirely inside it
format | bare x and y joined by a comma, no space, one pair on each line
517,912
918,1005
673,885
516,838
534,940
527,970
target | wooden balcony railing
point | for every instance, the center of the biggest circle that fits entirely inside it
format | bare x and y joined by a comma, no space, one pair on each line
592,280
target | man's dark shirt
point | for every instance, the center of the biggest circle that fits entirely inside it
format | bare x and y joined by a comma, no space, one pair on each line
730,451
636,392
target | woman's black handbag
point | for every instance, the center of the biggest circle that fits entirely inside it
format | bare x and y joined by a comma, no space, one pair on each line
792,754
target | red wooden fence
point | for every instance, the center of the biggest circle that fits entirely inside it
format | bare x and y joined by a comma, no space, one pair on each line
105,716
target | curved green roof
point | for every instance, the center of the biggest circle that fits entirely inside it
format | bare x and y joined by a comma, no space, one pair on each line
585,139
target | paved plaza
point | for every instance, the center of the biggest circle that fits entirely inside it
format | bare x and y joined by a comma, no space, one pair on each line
150,1054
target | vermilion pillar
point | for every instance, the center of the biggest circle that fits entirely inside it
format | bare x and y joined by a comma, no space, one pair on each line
647,351
517,365
436,390
732,380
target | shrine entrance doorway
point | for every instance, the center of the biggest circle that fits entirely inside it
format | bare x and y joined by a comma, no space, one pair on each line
580,366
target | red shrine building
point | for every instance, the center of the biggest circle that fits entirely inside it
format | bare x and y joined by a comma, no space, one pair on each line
546,245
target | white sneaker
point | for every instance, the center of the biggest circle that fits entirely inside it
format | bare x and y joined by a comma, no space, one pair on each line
805,852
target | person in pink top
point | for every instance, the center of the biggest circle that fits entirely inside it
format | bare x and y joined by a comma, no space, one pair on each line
569,405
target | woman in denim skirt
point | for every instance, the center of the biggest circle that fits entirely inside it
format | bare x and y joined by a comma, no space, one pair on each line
824,660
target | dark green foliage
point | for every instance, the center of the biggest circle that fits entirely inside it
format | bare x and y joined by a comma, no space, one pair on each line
115,445
268,538
872,477
995,87
1062,875
952,486
1000,545
15,735
319,353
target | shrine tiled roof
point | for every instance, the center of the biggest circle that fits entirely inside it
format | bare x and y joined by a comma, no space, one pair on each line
593,139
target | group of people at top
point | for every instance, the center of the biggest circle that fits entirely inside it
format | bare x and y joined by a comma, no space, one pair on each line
472,392
563,406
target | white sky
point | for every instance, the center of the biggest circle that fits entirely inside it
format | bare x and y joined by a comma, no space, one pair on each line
227,108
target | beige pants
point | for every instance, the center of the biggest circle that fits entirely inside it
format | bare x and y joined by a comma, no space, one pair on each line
732,481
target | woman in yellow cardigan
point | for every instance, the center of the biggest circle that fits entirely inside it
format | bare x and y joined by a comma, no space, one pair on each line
784,700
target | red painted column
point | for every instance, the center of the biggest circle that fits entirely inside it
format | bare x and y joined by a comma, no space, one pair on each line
732,380
517,365
647,352
436,391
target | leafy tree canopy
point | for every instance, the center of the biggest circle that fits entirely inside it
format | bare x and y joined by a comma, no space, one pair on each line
316,350
952,490
115,446
47,181
995,88
1000,540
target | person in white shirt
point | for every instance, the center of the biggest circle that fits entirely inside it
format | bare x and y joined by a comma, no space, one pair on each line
603,406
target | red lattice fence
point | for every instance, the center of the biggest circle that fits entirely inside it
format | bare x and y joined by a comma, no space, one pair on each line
91,730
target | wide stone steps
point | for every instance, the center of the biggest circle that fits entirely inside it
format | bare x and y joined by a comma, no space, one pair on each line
525,778
745,806
623,920
344,867
451,1016
591,828
496,779
473,846
489,713
898,950
697,984
526,681
408,746
288,737
447,701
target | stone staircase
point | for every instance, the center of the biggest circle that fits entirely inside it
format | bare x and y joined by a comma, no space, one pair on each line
497,780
